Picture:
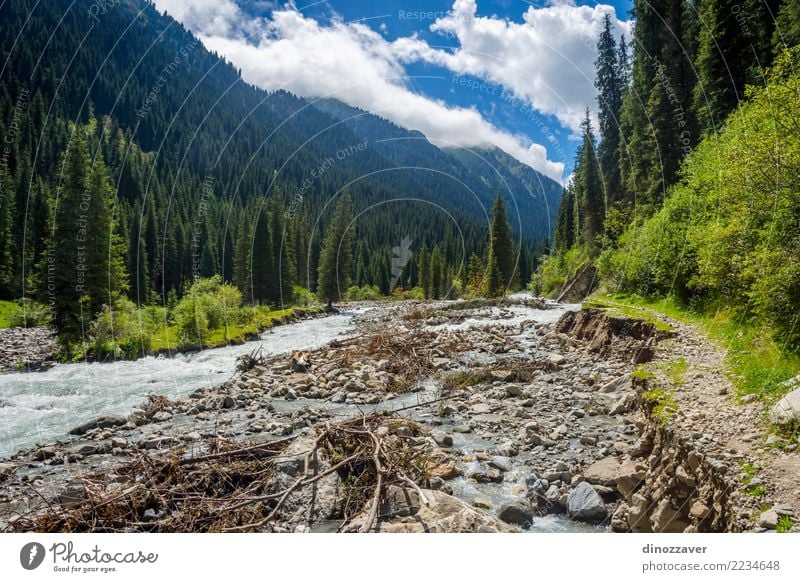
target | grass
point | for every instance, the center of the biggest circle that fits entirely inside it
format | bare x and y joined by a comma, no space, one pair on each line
614,308
664,404
7,310
785,524
755,362
643,374
676,370
750,472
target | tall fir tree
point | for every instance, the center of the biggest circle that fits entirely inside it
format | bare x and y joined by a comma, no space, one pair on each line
501,262
336,256
610,84
261,261
424,270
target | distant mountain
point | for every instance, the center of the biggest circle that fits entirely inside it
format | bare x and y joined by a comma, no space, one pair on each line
468,178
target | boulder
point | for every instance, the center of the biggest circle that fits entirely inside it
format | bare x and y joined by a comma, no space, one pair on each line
584,504
106,421
787,410
769,519
443,513
516,513
603,472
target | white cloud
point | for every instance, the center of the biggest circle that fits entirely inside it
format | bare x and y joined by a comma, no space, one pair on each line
547,60
544,61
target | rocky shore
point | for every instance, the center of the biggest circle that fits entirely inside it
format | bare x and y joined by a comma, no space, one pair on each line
26,349
441,417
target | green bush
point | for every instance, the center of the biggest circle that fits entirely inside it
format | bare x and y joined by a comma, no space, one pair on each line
208,306
365,293
29,313
303,297
557,269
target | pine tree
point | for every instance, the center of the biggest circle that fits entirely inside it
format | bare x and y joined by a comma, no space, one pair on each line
8,247
501,263
424,269
261,276
83,268
242,260
336,256
437,273
588,188
787,26
610,87
475,275
282,267
524,265
661,89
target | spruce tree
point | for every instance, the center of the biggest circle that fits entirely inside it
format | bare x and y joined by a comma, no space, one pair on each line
502,257
261,263
588,188
336,256
424,269
242,259
610,86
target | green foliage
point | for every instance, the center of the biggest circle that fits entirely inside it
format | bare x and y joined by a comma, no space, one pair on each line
785,524
7,311
365,293
303,297
557,269
664,405
208,306
27,313
729,230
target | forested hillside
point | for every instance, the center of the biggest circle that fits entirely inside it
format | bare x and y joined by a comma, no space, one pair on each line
690,189
125,134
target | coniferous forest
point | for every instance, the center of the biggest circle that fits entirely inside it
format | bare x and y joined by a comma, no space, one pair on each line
132,171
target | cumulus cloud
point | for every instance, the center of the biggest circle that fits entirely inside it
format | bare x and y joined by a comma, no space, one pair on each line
545,61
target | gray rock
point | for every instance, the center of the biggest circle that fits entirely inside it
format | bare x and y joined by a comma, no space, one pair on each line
769,519
501,463
441,438
667,519
106,421
787,409
584,504
486,476
516,513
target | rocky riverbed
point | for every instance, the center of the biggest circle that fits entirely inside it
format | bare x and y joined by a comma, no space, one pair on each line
431,417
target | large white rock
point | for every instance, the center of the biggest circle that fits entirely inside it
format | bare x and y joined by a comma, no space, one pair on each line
787,409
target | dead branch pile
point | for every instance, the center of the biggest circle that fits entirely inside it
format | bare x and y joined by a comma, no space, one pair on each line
234,487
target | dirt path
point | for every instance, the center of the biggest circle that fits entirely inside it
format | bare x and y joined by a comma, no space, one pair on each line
761,476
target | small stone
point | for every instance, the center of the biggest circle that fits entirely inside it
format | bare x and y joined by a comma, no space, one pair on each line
769,519
699,511
500,463
481,503
441,438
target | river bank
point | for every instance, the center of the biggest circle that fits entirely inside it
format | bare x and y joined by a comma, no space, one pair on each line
429,417
36,349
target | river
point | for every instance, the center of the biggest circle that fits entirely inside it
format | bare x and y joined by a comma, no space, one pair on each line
36,407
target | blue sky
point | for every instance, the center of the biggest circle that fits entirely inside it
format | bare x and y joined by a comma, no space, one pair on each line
510,73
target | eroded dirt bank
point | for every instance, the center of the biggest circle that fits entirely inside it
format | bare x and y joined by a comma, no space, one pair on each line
442,417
